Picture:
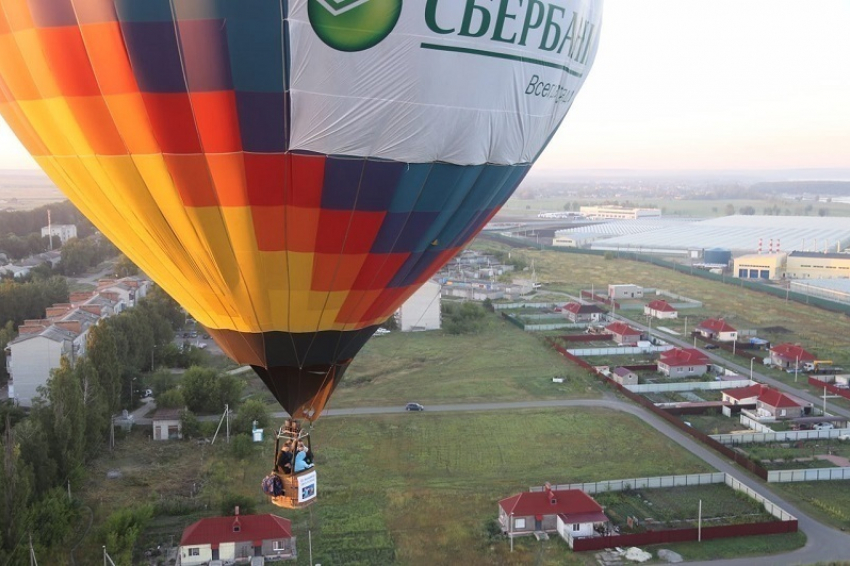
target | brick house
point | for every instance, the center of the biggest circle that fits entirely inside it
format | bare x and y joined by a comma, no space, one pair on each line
582,312
660,308
624,376
623,334
682,362
773,403
789,356
239,538
717,329
530,512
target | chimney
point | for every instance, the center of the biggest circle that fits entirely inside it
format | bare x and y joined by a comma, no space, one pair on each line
236,511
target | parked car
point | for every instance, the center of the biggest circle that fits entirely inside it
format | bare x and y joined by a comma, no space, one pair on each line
414,407
823,426
711,346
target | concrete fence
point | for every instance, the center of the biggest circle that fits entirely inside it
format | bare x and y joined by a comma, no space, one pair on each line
688,386
659,482
641,483
754,424
814,474
618,351
781,436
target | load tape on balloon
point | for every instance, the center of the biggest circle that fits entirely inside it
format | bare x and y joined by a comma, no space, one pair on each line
291,172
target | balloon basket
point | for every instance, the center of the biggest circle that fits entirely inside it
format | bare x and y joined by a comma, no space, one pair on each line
299,488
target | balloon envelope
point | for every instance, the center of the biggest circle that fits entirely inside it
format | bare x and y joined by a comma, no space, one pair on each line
290,172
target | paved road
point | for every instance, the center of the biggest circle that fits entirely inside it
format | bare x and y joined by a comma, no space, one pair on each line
824,543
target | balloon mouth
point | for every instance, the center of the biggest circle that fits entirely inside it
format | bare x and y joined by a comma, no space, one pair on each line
300,369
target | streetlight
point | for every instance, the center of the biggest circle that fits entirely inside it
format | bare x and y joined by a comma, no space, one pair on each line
751,368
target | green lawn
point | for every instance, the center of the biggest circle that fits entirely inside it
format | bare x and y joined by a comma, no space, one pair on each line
826,501
501,363
407,489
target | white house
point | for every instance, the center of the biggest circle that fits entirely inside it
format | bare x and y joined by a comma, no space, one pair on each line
32,356
64,231
422,310
166,424
660,308
547,510
238,538
125,291
717,329
627,291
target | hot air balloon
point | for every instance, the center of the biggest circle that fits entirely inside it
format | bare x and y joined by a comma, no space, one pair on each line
291,171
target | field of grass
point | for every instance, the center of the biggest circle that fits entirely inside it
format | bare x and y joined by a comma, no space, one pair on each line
500,363
408,489
826,501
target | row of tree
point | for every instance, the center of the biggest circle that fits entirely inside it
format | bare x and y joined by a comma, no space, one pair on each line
70,424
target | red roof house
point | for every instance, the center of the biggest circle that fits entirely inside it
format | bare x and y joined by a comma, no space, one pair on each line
789,356
717,329
531,511
773,403
742,395
237,537
660,308
582,312
623,334
683,362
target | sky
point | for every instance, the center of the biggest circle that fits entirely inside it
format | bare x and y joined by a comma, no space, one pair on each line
696,85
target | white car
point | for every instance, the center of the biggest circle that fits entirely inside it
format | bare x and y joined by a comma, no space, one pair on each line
823,426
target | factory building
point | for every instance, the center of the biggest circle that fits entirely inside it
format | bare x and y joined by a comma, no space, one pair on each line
760,266
815,265
619,212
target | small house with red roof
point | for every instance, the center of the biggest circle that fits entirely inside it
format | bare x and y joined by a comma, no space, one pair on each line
623,334
660,308
717,329
624,376
789,356
582,312
773,403
542,511
239,538
682,362
743,395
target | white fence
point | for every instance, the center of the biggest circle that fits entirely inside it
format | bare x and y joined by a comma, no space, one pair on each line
814,474
520,305
674,481
618,351
641,483
754,424
553,326
687,386
769,505
781,436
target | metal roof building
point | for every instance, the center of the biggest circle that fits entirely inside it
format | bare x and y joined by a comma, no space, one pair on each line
739,233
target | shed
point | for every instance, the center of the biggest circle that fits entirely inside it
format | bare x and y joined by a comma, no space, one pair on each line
167,425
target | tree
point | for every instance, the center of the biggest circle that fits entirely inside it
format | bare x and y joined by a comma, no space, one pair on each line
823,212
730,209
747,210
124,267
190,425
206,392
171,399
466,318
15,490
61,412
249,411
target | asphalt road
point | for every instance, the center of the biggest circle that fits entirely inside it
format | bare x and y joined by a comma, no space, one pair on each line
824,543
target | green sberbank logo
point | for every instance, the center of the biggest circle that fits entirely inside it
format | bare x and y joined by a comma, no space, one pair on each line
353,25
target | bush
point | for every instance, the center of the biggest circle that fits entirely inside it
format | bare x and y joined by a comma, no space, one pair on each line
231,500
465,318
241,447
